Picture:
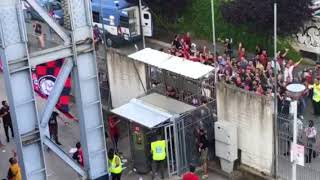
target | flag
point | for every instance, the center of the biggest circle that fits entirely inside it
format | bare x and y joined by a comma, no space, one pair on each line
44,77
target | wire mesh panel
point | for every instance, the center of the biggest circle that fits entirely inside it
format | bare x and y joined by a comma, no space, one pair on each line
188,127
170,148
311,168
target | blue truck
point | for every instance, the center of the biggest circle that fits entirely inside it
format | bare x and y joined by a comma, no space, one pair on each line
121,21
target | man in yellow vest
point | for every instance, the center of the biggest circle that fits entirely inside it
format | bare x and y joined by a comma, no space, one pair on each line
316,97
115,166
158,151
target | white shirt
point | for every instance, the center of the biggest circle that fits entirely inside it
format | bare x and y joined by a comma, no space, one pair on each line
288,73
311,132
278,65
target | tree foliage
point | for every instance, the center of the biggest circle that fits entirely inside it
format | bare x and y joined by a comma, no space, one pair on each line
258,14
168,9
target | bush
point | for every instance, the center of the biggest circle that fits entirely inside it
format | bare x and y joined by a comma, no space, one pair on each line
259,15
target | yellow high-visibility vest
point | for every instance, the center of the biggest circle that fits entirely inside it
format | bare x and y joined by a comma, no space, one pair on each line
316,93
158,149
112,165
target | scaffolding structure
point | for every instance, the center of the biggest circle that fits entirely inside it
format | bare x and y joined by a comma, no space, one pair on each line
30,125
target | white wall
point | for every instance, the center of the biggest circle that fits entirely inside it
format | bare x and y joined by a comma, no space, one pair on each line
123,78
253,116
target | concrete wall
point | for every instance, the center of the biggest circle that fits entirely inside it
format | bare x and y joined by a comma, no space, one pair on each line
253,116
123,78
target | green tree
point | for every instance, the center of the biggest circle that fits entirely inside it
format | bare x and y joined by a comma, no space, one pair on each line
258,14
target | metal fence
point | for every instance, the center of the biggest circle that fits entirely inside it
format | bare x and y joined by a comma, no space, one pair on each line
187,127
311,168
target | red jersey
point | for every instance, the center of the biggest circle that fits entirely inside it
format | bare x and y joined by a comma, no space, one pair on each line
80,157
190,176
113,129
241,54
187,40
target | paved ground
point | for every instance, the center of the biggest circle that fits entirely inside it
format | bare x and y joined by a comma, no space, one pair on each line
69,135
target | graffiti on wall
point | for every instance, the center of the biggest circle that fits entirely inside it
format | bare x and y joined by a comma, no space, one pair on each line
310,37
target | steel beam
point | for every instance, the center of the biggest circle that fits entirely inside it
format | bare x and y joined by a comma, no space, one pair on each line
55,26
56,91
17,61
17,76
58,52
65,157
88,100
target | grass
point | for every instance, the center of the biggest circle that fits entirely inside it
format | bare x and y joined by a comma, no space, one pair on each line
197,20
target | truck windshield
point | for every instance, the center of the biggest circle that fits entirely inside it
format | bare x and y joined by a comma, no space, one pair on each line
124,21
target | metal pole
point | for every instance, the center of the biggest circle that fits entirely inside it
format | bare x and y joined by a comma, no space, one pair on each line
275,105
214,41
294,106
141,25
213,28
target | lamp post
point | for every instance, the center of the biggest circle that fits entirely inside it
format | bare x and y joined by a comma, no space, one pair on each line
275,116
294,92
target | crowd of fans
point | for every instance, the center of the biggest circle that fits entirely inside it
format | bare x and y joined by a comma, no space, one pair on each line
256,73
262,75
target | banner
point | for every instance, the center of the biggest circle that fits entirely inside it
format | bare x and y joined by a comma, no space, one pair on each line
44,77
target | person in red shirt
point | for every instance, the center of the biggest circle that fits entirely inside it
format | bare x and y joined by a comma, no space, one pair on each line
114,131
187,39
263,58
241,51
190,175
308,77
78,155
